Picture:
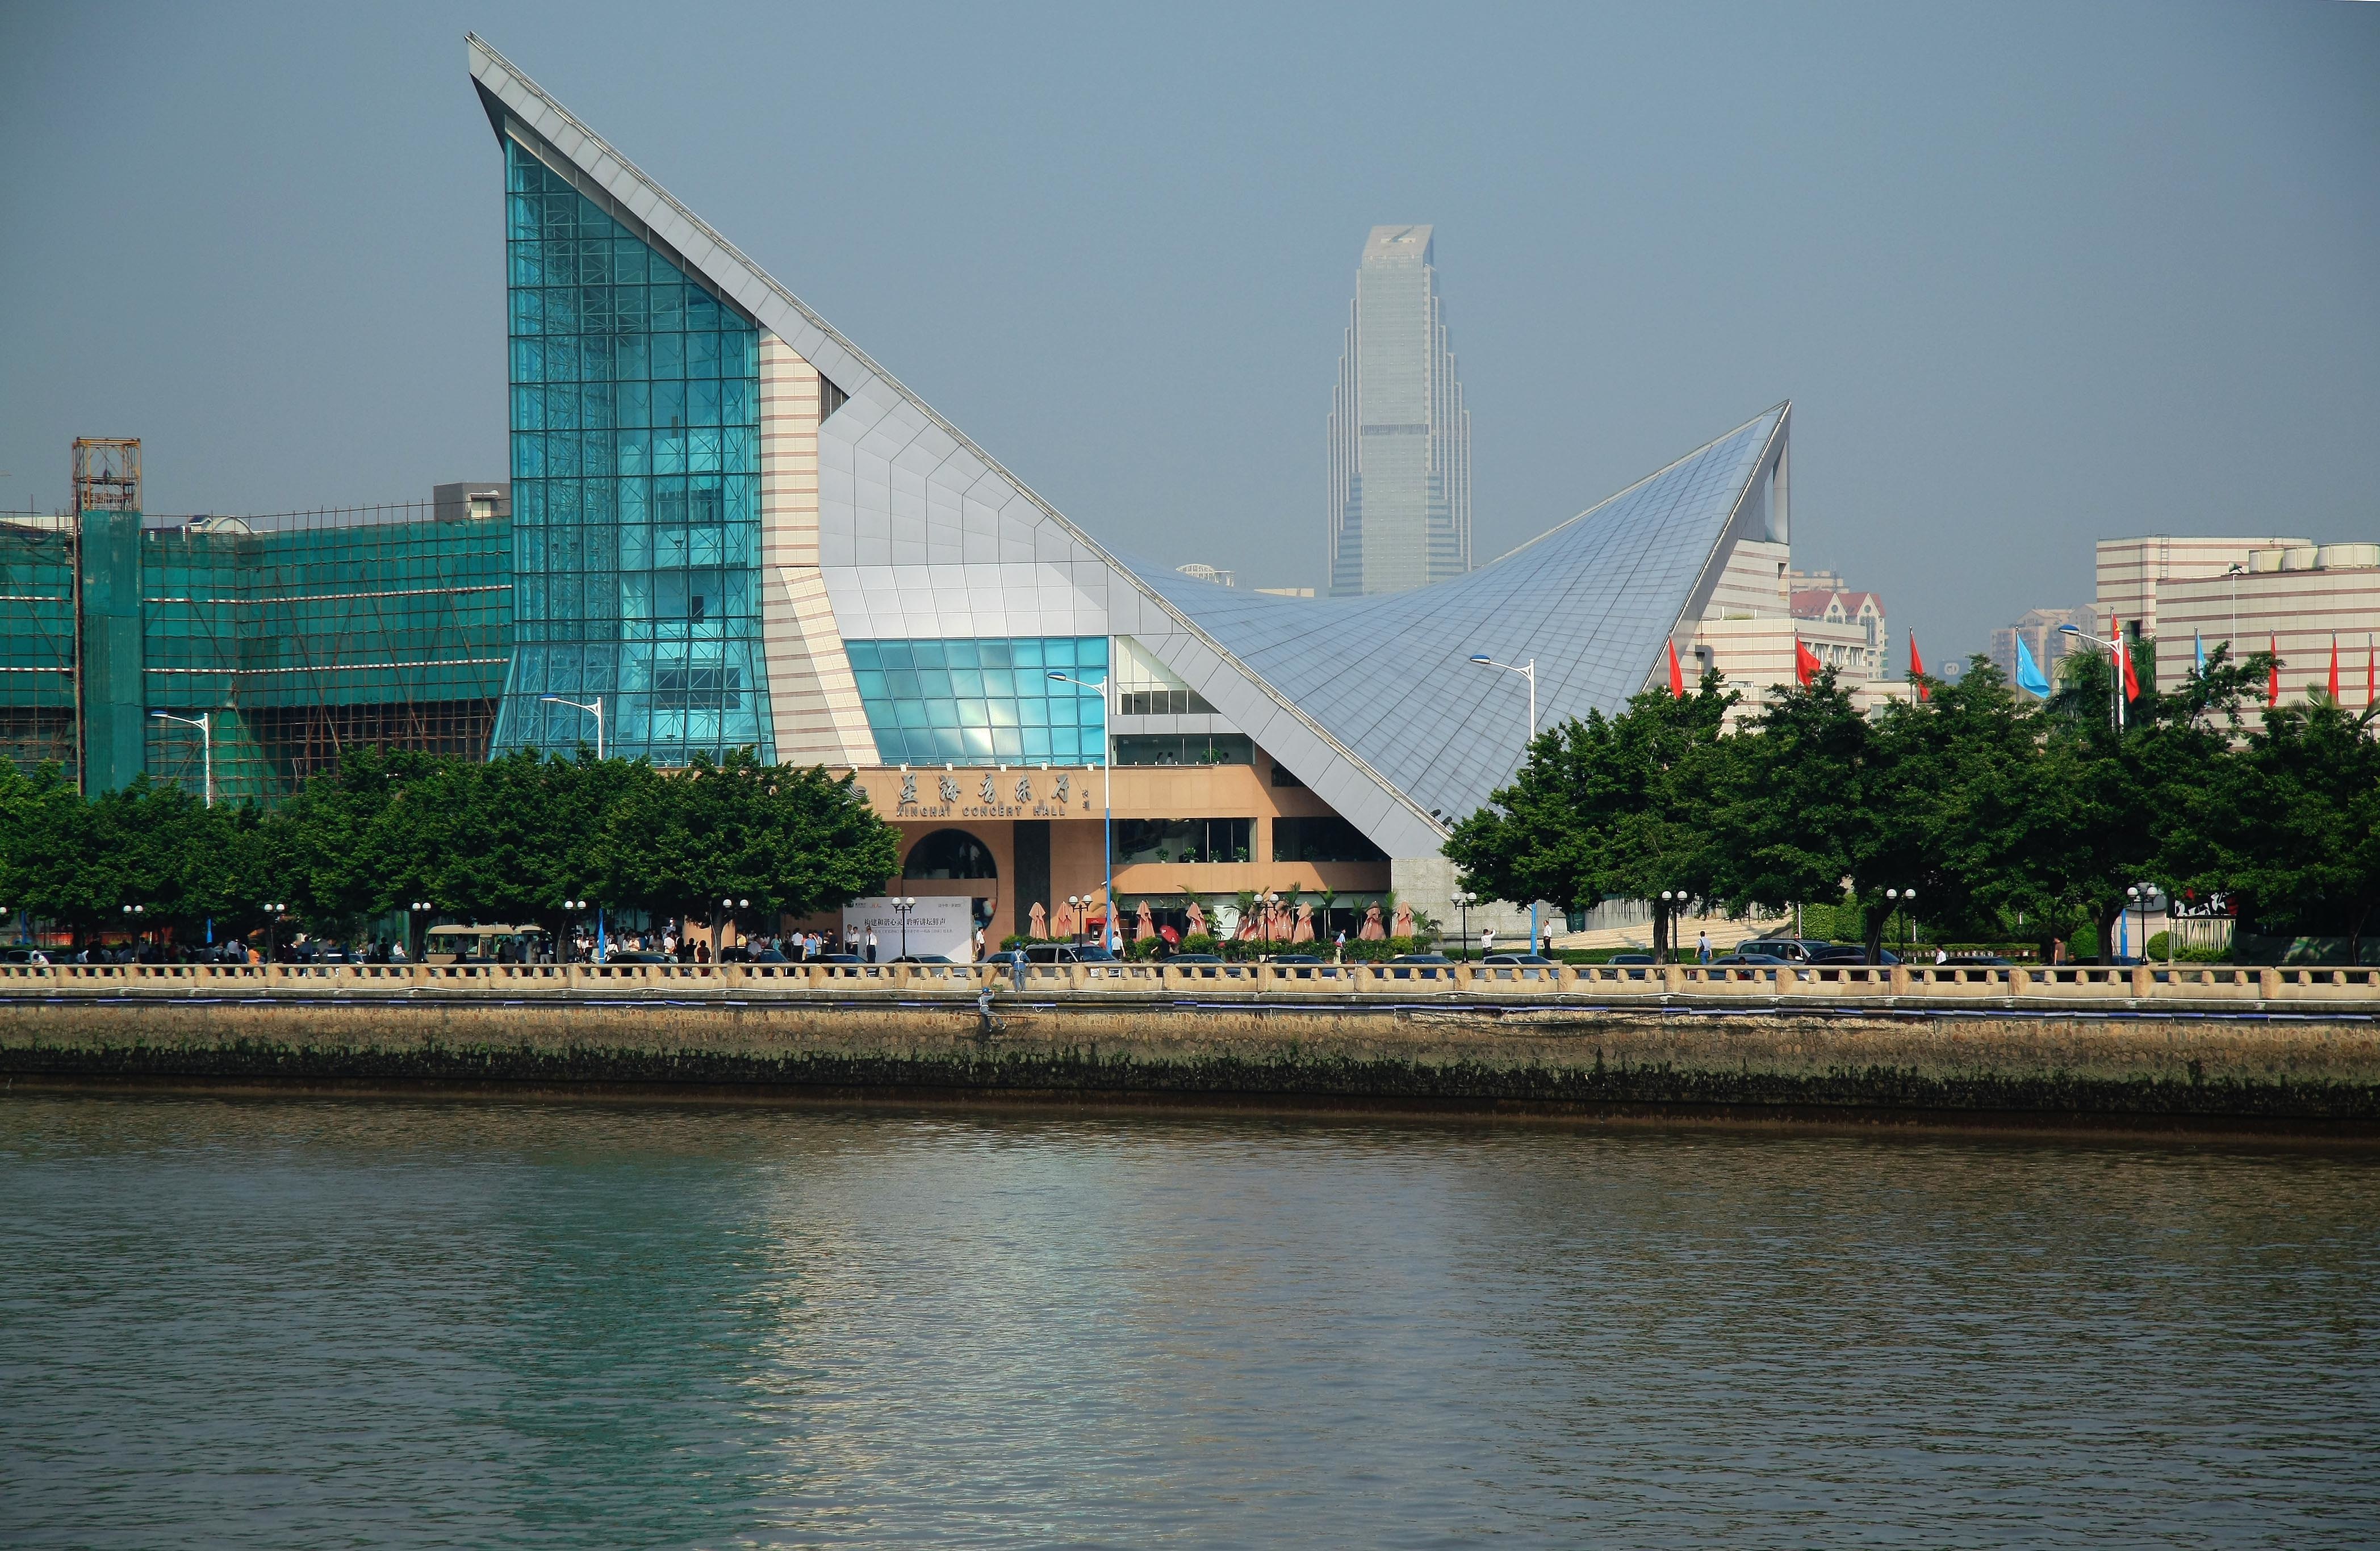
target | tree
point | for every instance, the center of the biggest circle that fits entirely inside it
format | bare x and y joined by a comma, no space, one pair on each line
1796,816
1605,807
2112,807
2292,822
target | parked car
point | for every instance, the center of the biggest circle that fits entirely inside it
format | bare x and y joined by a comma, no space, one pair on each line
1067,953
1421,959
1196,958
1793,949
1749,959
922,959
1517,959
638,957
1295,959
1630,959
1848,953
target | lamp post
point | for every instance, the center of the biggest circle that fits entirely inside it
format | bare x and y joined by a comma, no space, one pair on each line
133,918
572,911
597,708
727,909
2115,665
1271,915
1463,899
1528,671
205,722
273,928
902,905
1673,904
2140,896
1907,905
1107,789
1075,916
419,910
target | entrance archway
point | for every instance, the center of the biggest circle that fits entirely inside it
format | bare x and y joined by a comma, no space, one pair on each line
952,854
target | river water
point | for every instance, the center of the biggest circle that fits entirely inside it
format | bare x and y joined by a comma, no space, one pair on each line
315,1322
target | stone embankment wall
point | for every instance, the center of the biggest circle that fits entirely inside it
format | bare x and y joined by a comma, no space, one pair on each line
2317,1066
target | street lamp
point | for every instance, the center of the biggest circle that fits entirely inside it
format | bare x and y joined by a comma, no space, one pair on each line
420,909
572,909
204,722
2114,666
1907,907
1271,915
1107,788
271,927
1673,904
727,909
2139,897
597,708
133,918
1529,672
1075,915
1462,901
902,905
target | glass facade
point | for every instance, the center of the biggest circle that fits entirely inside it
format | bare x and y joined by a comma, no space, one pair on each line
636,458
1181,839
984,702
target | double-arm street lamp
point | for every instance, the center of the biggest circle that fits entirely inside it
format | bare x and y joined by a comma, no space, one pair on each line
902,905
420,911
205,722
2140,896
596,709
727,909
1905,901
1673,905
1463,900
576,911
1107,789
1528,671
272,926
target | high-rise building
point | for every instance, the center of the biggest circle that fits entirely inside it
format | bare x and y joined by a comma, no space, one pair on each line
1399,437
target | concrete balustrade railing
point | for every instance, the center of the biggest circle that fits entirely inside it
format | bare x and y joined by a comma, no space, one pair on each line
1717,985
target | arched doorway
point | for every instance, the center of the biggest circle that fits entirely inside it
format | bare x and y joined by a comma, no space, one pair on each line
956,856
952,854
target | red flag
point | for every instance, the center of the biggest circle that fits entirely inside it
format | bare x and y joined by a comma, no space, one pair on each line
2124,650
2272,674
1917,669
1677,675
1806,663
2334,667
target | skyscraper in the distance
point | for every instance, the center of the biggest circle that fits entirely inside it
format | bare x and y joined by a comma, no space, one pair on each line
1399,437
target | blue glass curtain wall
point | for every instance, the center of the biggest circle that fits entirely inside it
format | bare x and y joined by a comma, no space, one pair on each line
984,702
636,458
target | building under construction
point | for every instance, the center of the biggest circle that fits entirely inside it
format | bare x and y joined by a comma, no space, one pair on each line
245,653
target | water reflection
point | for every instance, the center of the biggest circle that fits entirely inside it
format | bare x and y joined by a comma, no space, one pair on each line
289,1322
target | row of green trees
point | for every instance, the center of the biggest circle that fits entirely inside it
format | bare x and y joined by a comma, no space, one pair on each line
2014,820
508,840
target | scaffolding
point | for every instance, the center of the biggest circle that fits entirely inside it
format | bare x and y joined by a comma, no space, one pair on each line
307,634
38,702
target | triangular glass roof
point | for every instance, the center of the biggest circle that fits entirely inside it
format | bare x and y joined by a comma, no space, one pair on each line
1592,601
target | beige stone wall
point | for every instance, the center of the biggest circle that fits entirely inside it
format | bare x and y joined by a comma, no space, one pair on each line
817,717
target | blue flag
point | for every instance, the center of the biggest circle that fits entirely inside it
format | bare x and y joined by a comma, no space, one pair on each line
2028,672
2198,644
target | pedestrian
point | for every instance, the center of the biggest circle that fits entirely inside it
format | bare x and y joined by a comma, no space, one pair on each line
1702,948
1486,941
871,945
1338,948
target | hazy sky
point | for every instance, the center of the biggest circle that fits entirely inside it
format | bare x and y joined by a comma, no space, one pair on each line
2032,276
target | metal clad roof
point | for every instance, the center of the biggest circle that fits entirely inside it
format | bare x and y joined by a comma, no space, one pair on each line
1592,601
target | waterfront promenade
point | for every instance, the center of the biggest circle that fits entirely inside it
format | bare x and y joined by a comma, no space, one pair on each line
2207,1042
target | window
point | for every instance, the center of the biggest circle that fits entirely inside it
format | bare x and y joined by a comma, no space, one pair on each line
1184,748
1321,840
1283,776
636,521
1183,840
982,701
1163,702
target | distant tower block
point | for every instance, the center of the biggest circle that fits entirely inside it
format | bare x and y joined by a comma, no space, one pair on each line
106,474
